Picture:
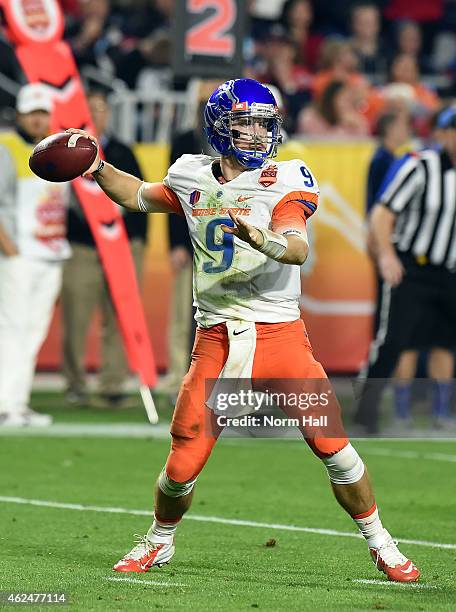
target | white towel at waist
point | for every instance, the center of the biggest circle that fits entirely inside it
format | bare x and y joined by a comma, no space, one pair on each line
239,365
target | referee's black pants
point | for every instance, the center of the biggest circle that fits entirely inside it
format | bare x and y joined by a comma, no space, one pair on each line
425,299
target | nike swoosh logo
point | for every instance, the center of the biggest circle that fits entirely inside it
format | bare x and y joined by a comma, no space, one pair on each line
244,198
409,570
236,333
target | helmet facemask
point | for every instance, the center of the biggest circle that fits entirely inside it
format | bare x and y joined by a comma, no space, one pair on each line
254,133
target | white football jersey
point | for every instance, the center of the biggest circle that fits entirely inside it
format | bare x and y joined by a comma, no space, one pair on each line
231,280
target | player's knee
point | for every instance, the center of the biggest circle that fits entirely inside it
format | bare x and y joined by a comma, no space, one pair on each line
326,447
180,466
344,467
186,459
172,488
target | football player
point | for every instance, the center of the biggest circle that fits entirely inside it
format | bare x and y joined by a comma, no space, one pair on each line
247,221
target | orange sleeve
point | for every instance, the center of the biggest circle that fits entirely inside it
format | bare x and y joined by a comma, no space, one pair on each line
293,210
163,197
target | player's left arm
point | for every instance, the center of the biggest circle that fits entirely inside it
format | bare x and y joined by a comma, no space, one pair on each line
286,240
290,249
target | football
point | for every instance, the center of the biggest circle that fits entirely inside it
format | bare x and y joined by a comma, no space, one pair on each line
62,157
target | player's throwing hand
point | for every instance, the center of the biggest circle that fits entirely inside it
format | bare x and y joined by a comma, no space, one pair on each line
96,162
244,231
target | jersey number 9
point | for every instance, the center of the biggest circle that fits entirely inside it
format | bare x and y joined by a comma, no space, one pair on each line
227,246
309,182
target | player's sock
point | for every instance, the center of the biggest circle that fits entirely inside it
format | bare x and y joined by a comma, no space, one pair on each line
441,399
162,530
402,394
371,527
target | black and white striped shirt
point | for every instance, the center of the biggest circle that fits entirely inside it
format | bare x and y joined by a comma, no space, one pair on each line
422,193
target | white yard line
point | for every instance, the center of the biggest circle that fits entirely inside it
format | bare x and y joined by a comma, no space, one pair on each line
145,582
385,452
408,585
89,430
211,519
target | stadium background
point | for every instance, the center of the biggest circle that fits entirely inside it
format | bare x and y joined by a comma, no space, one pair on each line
125,46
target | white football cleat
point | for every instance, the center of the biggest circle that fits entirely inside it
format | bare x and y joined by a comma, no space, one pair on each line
389,560
145,555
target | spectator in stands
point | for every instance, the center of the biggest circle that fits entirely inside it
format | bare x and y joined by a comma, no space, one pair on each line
32,249
87,35
136,26
296,19
85,288
153,54
404,69
292,79
409,38
155,73
331,16
409,42
365,28
334,114
427,13
337,62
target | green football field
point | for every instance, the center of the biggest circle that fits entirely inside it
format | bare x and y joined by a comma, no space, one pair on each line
264,531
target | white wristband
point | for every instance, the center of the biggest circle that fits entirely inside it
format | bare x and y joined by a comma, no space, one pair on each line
142,204
274,245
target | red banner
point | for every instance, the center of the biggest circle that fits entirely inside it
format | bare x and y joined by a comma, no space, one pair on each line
35,28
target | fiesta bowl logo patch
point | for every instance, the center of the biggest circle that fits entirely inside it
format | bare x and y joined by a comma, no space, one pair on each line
268,176
195,197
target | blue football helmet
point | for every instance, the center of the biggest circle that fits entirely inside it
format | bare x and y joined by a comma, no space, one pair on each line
242,119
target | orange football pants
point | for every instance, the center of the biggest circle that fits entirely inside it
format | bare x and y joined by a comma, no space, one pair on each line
283,351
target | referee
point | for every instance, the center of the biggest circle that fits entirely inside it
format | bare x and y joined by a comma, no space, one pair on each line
414,231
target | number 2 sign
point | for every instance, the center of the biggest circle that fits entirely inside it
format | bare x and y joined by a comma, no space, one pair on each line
208,37
212,35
